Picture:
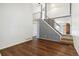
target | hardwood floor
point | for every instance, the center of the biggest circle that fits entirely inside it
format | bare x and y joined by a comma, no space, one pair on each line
40,48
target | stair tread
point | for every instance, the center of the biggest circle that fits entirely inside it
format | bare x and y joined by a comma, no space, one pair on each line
67,39
67,42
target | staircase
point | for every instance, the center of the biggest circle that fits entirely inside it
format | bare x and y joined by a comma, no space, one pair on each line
49,29
67,38
50,32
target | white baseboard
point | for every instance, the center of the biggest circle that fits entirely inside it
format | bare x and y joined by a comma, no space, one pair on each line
16,43
76,48
75,40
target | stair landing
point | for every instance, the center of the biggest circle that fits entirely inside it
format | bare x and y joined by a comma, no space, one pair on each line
67,39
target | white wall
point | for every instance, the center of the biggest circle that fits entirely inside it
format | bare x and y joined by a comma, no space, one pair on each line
34,29
75,25
36,15
15,23
58,9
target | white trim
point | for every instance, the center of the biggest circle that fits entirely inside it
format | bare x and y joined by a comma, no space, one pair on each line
19,42
75,44
76,49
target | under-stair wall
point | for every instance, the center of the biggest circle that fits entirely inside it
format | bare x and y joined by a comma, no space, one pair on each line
50,22
47,32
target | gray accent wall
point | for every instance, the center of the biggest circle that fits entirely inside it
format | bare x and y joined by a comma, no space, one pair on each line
46,32
50,22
